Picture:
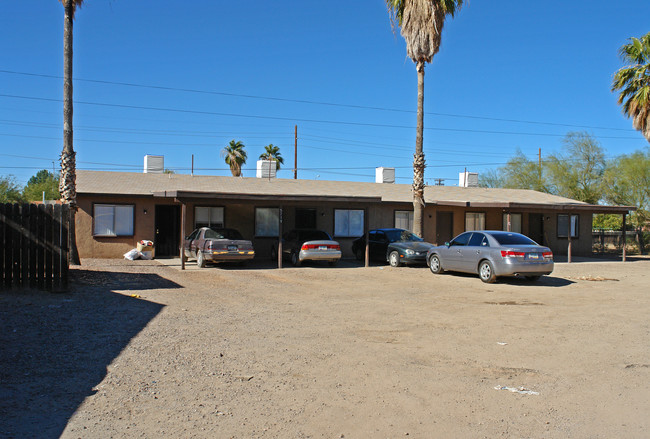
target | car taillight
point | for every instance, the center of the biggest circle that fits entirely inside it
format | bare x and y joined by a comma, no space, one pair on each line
334,247
308,247
511,254
547,255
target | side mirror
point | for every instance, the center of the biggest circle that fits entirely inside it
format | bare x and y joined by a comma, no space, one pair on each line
447,244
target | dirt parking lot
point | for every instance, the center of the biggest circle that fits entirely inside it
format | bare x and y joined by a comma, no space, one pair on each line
140,349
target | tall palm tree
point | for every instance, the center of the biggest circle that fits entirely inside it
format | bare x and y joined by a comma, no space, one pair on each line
235,156
633,82
67,181
272,152
421,23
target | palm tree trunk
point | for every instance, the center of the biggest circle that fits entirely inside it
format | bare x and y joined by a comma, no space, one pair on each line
67,185
418,159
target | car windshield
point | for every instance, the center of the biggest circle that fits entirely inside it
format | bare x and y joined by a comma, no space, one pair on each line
401,235
222,234
314,235
513,239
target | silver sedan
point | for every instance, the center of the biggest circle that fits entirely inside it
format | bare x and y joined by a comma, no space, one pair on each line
492,253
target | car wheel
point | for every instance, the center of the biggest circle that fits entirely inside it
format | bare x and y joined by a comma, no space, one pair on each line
532,278
486,272
360,253
434,265
295,260
200,259
333,263
393,259
274,252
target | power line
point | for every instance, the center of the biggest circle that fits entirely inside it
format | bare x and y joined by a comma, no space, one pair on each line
312,102
333,122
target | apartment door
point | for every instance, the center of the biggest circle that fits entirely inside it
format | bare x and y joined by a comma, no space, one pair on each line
444,227
168,230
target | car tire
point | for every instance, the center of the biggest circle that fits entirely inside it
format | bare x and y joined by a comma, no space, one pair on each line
360,253
274,252
532,278
434,264
200,259
393,259
295,260
486,272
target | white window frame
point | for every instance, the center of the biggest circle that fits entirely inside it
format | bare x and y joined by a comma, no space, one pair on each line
471,221
106,216
267,221
344,227
408,220
515,225
575,225
212,211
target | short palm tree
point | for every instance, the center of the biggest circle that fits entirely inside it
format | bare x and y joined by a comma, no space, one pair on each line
421,23
633,81
67,181
235,156
272,152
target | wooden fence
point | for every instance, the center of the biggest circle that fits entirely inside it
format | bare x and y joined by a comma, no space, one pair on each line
34,246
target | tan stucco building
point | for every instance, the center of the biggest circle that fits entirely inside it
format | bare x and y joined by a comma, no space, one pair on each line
118,209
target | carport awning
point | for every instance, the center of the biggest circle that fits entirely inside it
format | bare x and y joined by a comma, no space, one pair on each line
594,208
188,195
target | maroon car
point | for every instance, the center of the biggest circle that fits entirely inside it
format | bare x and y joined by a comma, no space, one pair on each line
217,245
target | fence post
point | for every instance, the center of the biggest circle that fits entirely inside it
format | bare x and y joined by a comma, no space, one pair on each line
65,249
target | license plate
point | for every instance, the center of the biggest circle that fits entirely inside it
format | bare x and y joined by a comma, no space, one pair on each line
232,248
533,256
322,247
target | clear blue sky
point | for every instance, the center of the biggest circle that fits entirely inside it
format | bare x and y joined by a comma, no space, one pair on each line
520,76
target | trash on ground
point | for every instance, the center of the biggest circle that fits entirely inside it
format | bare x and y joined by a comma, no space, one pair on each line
502,343
132,255
135,296
521,390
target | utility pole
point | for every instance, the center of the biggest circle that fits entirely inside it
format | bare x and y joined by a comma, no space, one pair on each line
540,169
295,153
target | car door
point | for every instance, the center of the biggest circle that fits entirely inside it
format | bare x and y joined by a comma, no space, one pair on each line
187,242
474,252
452,258
196,243
378,245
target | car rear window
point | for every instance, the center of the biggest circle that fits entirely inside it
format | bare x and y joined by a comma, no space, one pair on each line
222,234
513,239
315,235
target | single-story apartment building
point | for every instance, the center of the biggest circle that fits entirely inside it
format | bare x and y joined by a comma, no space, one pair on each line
118,209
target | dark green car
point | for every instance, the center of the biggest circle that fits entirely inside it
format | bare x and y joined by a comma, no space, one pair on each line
395,246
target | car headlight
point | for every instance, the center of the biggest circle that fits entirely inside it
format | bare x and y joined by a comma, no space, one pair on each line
410,252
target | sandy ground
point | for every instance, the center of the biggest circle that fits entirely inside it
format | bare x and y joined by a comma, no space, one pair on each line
139,349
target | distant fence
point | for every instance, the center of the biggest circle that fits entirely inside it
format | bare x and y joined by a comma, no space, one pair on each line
607,241
34,246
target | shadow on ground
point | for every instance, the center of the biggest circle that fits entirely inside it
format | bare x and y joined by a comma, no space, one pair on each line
54,348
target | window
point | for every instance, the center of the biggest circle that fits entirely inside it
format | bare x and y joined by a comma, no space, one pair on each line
563,226
478,240
404,220
474,221
305,218
461,239
515,222
348,222
267,221
208,217
113,220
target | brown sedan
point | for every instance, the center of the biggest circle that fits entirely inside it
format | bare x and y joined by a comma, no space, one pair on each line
217,245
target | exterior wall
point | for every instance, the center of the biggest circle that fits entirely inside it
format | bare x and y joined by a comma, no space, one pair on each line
240,214
90,246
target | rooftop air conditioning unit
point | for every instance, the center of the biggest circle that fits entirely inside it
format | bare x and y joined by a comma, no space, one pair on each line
266,169
468,179
154,164
384,175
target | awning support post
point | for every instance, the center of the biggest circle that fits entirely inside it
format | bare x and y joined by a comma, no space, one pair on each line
182,247
280,240
624,236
